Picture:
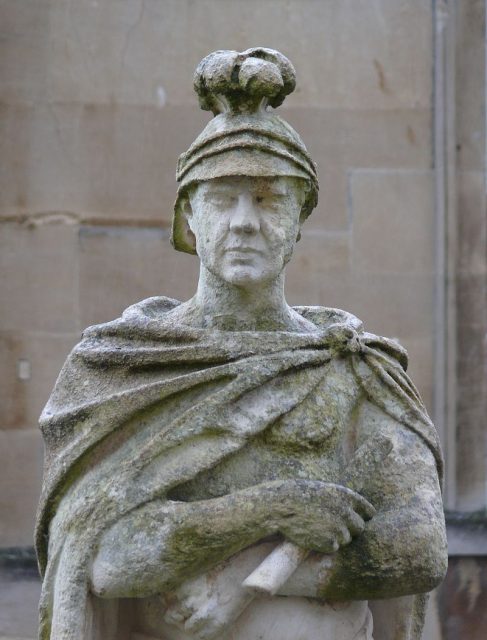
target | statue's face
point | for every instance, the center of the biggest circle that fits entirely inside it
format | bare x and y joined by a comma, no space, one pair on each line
245,227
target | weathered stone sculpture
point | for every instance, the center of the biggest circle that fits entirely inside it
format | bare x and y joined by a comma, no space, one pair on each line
231,467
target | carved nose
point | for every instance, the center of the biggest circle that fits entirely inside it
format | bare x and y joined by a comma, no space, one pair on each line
248,227
244,219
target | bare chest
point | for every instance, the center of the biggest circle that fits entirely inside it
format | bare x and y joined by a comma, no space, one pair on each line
313,441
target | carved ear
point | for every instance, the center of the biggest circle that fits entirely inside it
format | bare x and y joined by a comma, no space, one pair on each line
190,238
183,239
186,207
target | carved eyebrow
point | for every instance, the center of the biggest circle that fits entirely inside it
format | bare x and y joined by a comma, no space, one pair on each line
272,190
272,194
222,188
258,191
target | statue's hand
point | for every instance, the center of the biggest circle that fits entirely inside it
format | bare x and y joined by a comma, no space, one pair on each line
208,604
195,607
322,516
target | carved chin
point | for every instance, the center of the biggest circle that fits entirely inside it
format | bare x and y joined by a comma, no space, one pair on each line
240,272
244,274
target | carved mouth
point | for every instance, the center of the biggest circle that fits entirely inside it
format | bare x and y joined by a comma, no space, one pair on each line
242,250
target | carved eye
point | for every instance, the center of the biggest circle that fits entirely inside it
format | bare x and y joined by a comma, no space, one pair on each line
221,199
259,199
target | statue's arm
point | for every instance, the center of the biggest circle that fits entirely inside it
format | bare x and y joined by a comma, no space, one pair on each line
163,543
402,549
155,547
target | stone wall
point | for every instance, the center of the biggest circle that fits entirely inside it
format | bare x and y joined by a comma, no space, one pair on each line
471,273
96,103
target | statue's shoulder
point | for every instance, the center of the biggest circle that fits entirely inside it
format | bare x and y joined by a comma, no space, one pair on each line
325,317
141,314
151,307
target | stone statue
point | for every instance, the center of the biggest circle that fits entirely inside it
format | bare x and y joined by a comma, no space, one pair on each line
230,467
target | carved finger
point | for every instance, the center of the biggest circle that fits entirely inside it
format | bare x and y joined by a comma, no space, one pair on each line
345,537
364,508
354,522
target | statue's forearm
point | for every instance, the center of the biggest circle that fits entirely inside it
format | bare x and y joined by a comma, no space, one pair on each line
386,562
398,553
155,547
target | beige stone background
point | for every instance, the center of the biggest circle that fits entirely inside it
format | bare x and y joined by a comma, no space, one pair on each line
96,103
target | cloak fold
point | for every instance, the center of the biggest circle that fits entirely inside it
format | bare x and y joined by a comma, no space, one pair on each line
138,389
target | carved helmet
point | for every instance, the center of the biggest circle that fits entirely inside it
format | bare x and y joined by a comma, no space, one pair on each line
243,139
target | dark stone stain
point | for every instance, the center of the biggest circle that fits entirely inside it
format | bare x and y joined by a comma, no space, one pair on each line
462,599
14,401
21,201
381,77
411,136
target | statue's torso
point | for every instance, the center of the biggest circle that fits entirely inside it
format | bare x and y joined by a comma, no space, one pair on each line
312,442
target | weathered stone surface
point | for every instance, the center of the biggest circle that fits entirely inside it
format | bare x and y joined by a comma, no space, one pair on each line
409,301
206,456
367,138
20,477
470,93
67,159
30,366
68,55
122,91
472,346
39,277
78,144
23,50
317,256
383,222
145,46
118,263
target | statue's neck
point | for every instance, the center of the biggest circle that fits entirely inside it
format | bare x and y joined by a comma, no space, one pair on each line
222,305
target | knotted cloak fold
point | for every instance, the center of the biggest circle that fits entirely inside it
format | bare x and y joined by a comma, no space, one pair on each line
139,388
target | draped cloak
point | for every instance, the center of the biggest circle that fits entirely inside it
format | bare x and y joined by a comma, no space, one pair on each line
141,387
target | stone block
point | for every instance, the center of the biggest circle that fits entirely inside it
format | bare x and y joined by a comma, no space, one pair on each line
469,90
137,54
472,365
23,50
142,47
365,138
318,255
391,305
119,162
20,478
396,305
29,366
341,140
471,476
471,287
38,287
472,223
121,265
471,300
15,144
471,412
95,161
102,139
392,218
